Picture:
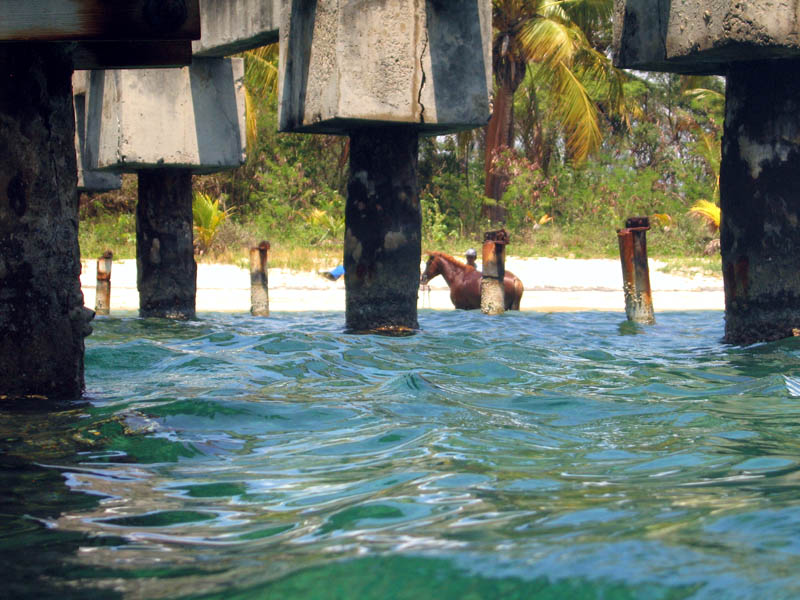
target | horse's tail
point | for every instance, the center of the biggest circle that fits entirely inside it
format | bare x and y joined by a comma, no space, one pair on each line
518,289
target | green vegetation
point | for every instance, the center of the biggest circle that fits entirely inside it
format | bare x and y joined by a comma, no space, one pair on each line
655,152
208,216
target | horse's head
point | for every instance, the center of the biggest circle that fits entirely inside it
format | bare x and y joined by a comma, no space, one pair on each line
431,269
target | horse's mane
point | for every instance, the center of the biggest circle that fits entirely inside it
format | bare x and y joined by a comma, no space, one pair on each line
450,259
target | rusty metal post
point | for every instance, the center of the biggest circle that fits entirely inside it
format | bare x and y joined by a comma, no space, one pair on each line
493,301
102,302
635,270
259,290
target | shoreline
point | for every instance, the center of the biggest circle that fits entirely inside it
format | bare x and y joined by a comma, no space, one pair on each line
551,285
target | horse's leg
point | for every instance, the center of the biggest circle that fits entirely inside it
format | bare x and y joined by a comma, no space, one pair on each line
454,297
509,293
517,295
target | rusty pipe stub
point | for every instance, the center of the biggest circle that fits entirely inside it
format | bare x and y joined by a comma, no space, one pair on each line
259,285
104,265
637,223
102,303
494,270
494,254
499,236
635,270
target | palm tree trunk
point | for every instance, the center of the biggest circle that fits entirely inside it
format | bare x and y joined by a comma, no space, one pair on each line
499,135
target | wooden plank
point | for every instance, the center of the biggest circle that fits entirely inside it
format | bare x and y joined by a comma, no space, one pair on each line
56,20
132,55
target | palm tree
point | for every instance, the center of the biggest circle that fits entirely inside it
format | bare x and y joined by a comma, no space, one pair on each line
557,36
261,74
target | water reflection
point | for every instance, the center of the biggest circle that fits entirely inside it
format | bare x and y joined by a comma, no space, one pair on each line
33,553
549,456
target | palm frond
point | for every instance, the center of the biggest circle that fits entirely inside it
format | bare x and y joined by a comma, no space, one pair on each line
603,79
261,70
261,81
588,13
708,211
712,98
689,82
708,146
554,9
251,120
548,41
578,115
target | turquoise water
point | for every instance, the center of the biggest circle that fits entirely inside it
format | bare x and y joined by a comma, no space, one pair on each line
522,456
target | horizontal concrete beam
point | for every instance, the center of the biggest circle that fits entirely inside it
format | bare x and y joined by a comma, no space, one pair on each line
698,36
348,64
231,26
132,55
192,118
57,20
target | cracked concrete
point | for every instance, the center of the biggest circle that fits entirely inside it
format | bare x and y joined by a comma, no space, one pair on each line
347,64
422,78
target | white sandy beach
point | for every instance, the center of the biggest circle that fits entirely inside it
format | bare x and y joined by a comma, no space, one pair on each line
551,284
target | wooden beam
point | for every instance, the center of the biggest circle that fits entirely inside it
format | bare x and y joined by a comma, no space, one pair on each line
115,20
131,55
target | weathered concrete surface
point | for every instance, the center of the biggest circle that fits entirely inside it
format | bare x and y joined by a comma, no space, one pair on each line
189,118
231,26
383,230
351,63
166,270
760,202
88,180
703,36
42,318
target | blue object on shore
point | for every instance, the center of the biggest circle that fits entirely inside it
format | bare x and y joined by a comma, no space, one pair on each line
333,274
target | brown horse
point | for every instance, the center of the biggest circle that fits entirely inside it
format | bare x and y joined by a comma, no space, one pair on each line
465,282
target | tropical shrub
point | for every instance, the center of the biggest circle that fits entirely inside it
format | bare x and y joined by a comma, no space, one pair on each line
287,203
208,215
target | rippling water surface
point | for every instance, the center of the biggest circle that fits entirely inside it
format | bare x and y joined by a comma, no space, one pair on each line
527,455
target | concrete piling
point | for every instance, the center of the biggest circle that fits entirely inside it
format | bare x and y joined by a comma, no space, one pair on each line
42,318
166,269
759,185
383,222
259,286
102,304
635,270
494,271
